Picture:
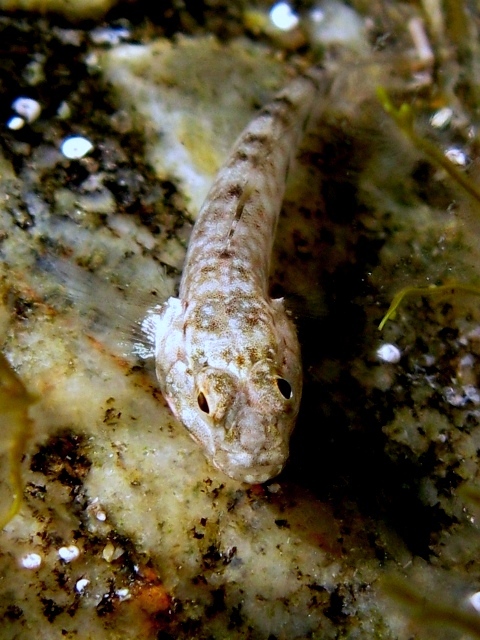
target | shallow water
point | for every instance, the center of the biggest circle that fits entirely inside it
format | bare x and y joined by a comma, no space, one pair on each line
158,543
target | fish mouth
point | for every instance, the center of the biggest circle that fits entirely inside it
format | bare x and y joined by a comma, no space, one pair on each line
242,468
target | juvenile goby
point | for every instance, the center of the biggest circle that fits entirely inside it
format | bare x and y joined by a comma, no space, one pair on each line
227,355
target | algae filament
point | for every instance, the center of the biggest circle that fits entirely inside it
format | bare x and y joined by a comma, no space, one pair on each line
404,118
432,290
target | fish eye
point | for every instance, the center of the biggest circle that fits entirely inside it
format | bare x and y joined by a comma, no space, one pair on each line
285,388
202,402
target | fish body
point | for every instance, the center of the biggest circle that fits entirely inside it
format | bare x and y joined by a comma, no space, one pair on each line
227,355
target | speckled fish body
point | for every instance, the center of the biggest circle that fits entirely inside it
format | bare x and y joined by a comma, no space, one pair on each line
227,355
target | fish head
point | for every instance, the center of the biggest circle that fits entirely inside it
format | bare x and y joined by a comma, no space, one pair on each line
242,407
243,424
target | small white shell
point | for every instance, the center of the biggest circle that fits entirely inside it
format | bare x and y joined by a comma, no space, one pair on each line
104,35
69,554
457,156
81,585
123,594
31,561
442,118
15,123
28,108
76,147
388,352
283,17
474,600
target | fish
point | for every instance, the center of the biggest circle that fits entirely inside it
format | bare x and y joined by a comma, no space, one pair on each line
227,356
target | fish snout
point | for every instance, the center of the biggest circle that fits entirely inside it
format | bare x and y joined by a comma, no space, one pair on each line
243,468
253,450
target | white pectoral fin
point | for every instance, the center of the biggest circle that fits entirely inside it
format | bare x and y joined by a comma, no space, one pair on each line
278,304
146,347
164,328
144,341
161,322
285,326
159,329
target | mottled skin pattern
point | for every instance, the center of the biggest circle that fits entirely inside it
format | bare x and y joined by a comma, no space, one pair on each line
227,355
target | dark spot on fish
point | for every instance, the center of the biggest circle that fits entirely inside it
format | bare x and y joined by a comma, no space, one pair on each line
240,360
256,138
239,156
284,100
278,111
207,269
235,190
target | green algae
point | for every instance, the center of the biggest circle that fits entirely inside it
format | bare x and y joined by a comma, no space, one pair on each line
15,426
405,120
432,290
